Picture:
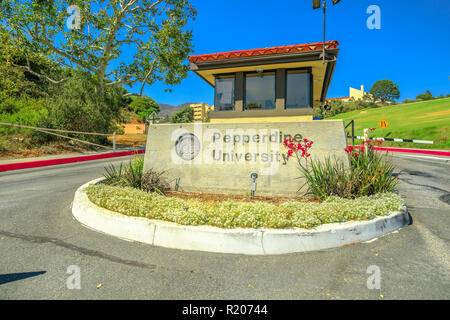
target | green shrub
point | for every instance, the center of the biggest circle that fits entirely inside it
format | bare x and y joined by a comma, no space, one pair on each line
374,170
134,172
144,106
370,172
425,96
74,105
337,106
154,181
133,175
185,115
39,137
77,105
24,111
112,175
125,115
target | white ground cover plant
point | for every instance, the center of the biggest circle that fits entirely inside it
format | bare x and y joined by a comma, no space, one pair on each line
239,214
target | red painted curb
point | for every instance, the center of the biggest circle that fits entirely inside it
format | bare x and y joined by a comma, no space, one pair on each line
52,162
421,151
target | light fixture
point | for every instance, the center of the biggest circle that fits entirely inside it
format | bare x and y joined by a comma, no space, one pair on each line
316,4
259,70
254,176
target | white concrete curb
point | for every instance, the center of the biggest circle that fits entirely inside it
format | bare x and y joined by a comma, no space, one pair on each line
238,241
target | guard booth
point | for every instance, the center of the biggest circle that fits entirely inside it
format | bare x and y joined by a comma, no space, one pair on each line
261,98
267,85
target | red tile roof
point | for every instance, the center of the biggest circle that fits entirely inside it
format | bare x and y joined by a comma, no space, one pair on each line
265,51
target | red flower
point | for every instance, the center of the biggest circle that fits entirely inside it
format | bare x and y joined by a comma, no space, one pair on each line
303,146
349,149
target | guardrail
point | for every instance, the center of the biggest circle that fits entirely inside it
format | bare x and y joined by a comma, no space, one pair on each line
52,132
366,136
394,139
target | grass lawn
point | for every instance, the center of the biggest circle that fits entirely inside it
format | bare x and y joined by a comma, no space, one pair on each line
427,120
229,213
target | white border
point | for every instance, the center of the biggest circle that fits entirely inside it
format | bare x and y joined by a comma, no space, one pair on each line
237,241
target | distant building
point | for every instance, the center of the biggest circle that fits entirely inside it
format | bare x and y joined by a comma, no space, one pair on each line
201,110
354,93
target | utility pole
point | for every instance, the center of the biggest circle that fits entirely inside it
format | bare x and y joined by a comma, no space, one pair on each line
316,5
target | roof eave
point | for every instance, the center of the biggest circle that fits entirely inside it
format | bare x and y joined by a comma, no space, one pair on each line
272,59
261,60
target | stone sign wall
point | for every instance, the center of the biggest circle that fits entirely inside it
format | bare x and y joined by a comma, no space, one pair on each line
220,157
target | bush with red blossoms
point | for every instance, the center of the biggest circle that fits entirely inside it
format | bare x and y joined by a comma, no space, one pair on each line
300,149
370,171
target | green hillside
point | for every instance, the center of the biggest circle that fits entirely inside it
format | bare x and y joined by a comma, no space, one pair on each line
427,120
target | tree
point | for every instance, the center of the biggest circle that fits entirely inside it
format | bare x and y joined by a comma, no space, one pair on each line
385,90
425,96
183,116
74,105
152,30
15,81
144,106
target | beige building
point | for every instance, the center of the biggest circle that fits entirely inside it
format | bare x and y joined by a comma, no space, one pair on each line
353,93
201,111
356,94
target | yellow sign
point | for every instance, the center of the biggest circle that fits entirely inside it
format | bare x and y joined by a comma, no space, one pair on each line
383,124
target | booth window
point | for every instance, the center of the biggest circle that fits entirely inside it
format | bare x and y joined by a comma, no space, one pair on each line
260,91
298,89
224,93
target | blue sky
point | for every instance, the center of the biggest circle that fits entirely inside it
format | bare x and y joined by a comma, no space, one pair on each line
412,48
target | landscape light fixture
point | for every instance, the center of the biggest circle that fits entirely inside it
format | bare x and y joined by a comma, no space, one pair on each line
316,5
254,176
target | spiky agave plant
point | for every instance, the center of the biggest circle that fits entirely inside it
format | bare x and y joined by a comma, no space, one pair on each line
133,173
113,176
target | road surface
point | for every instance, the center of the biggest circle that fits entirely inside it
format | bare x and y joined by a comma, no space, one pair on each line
40,242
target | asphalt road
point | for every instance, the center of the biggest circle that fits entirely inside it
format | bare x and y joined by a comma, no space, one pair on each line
40,241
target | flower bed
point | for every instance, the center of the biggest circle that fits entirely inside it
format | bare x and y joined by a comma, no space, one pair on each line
370,171
237,214
340,193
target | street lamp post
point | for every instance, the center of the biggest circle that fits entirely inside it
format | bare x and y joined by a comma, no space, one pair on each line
316,5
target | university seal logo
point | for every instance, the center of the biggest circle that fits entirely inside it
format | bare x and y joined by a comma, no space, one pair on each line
187,146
